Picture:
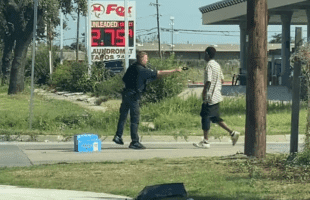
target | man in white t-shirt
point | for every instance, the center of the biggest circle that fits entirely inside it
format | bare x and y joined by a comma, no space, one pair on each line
212,96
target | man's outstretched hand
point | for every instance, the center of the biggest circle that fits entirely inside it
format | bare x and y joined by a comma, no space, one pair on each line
162,73
181,69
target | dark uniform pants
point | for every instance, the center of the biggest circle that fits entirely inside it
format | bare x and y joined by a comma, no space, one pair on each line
130,102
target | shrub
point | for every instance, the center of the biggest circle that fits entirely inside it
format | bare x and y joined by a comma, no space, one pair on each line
100,73
105,82
167,87
111,87
303,158
303,85
41,67
73,77
61,76
80,81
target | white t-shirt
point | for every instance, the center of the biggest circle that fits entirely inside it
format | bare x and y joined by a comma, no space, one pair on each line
214,74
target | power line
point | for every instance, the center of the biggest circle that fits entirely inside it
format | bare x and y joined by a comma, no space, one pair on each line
208,31
204,34
148,16
146,34
197,30
210,34
151,16
142,30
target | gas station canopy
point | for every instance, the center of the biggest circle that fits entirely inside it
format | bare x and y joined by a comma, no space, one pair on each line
232,12
281,12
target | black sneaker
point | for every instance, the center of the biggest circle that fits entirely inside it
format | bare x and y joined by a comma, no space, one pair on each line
136,145
118,140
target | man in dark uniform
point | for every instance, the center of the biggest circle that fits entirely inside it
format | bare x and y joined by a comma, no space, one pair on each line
135,79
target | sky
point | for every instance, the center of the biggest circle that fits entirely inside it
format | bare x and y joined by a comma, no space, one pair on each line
186,16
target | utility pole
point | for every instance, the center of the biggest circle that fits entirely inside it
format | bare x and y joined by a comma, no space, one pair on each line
256,85
295,95
158,29
172,23
78,33
61,36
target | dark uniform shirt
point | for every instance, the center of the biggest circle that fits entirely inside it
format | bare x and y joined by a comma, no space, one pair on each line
137,77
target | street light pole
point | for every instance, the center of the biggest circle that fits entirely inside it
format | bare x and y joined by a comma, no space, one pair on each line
85,37
172,23
34,38
61,37
126,34
89,58
78,33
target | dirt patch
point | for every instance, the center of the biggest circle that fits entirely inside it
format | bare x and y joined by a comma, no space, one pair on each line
80,99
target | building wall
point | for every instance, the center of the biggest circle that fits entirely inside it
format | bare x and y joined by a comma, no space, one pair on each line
195,55
227,55
186,55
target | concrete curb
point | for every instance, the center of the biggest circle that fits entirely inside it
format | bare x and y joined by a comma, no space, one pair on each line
146,138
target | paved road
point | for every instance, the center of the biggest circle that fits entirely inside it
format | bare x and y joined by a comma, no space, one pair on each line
27,154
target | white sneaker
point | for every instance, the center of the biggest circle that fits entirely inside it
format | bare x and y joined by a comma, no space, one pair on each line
203,144
235,137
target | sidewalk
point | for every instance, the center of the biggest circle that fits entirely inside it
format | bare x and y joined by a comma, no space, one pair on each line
224,139
21,193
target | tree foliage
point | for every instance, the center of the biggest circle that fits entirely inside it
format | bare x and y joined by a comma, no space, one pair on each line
277,38
16,30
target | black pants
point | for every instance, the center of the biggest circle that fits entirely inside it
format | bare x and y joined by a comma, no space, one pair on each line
209,113
130,102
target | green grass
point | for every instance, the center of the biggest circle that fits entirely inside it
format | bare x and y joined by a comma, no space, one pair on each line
51,116
206,178
171,117
174,113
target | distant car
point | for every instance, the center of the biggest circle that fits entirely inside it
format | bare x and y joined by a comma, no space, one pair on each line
114,66
117,66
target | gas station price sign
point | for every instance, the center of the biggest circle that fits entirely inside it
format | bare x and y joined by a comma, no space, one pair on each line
107,28
111,34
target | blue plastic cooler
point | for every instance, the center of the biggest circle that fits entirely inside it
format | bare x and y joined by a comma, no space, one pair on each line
87,143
